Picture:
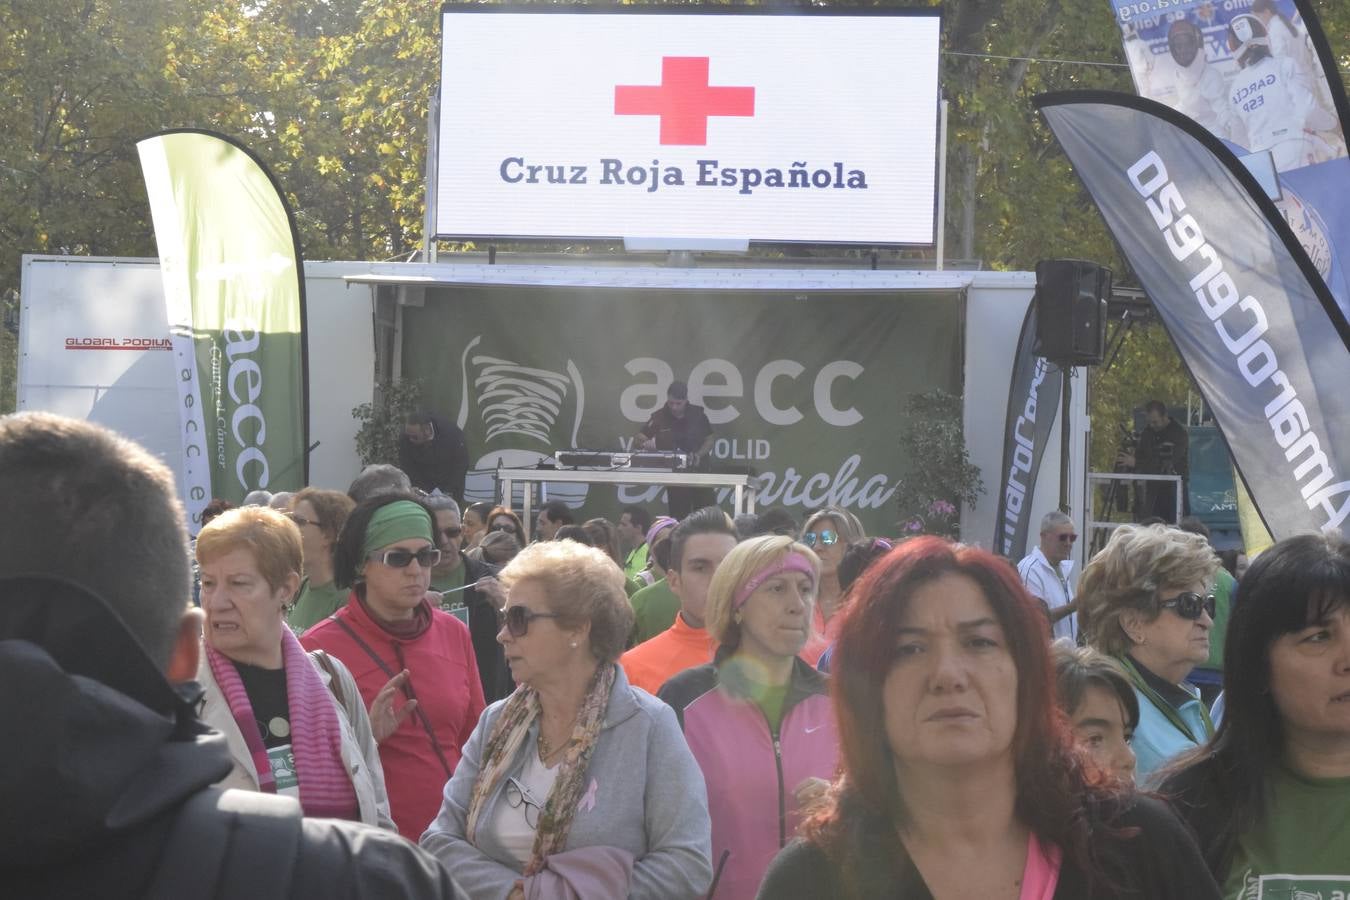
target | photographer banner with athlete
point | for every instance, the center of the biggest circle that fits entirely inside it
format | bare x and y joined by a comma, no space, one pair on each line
1258,330
1260,77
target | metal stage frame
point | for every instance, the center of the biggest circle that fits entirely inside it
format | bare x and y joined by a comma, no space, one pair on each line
744,487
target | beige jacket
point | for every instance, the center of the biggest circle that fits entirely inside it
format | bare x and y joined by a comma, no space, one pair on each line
360,753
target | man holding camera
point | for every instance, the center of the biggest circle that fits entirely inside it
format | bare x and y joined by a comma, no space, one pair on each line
1163,449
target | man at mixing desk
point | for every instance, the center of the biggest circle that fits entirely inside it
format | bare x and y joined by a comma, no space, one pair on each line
680,425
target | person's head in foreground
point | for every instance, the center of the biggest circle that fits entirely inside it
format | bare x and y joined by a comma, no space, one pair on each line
98,649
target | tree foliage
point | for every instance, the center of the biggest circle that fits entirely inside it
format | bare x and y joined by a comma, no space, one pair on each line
941,475
382,421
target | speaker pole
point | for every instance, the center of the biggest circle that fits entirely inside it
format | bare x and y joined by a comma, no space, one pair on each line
1064,369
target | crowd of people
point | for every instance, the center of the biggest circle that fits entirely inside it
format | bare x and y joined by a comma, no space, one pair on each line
423,699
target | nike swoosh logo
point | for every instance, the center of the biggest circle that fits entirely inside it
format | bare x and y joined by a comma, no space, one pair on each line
813,730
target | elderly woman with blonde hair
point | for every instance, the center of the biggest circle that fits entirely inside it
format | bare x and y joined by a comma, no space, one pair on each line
294,723
577,785
758,718
1147,600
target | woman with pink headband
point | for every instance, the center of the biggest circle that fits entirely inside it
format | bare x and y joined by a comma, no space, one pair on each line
758,718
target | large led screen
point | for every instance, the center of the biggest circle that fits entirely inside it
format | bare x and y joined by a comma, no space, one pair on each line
706,124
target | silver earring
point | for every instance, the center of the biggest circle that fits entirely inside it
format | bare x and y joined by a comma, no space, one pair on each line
574,645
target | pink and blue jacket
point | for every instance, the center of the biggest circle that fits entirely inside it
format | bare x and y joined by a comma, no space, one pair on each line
751,771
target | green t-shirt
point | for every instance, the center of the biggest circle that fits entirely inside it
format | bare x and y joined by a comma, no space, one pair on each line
1301,849
739,673
448,582
654,609
770,700
314,604
636,562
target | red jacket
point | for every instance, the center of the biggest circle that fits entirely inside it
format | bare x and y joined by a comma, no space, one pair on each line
443,676
752,773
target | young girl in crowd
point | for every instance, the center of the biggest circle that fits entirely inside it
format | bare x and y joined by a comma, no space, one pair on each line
1096,695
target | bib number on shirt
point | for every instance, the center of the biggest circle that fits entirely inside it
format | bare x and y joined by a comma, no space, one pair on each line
1297,887
282,760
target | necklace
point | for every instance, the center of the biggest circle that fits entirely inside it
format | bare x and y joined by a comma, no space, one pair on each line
545,751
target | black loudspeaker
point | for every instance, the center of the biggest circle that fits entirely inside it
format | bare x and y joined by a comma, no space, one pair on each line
1071,311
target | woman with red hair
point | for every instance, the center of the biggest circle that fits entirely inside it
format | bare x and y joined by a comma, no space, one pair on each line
959,776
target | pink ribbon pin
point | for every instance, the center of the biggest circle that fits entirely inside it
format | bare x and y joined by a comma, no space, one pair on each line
588,802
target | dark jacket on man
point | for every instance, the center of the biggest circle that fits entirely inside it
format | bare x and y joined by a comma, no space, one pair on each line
442,462
107,774
1163,452
483,628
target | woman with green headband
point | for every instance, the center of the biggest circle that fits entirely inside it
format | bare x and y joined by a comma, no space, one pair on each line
413,663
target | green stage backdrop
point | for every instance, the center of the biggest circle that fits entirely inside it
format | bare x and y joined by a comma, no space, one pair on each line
806,391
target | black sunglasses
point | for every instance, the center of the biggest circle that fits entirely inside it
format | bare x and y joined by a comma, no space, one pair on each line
517,619
1189,605
301,520
503,526
427,557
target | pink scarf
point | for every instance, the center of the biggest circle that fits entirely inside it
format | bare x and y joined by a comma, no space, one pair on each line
316,735
1041,875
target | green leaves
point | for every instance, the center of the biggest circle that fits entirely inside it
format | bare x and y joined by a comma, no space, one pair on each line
939,474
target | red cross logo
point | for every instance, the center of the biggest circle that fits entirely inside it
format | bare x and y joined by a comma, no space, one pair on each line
684,100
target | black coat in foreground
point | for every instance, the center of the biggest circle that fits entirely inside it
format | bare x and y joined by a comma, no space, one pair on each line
107,773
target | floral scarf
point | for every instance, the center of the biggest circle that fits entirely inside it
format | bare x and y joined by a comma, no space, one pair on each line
510,731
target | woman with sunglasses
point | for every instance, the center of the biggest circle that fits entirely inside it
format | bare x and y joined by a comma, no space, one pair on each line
828,532
577,785
504,520
1269,796
319,515
413,663
1146,601
293,723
